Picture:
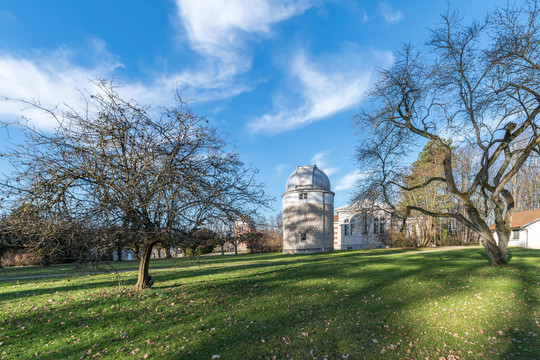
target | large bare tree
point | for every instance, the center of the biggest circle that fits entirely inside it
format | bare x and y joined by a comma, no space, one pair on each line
477,84
115,163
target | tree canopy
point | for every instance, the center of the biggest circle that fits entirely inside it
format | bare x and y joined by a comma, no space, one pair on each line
477,84
117,164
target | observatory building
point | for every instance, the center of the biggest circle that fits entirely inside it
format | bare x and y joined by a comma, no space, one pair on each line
308,212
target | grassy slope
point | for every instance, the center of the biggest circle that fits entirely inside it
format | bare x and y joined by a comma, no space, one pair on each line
356,303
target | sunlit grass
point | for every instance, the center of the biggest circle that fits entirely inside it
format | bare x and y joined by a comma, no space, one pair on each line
375,305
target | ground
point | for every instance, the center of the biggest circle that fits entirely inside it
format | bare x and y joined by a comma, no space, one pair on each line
377,304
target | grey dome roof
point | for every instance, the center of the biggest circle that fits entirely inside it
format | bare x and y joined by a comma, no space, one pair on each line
308,177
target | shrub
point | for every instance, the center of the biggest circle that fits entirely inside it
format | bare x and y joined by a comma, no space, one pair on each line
398,239
20,258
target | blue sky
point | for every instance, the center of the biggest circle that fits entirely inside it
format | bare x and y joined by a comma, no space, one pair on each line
282,78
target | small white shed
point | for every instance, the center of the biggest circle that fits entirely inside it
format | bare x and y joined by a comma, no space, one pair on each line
525,229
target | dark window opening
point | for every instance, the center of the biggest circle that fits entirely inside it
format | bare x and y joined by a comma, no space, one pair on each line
303,237
364,219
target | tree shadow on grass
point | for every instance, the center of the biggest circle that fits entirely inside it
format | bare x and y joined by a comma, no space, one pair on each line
525,342
330,305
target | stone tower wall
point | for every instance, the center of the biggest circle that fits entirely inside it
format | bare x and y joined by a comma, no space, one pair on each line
307,218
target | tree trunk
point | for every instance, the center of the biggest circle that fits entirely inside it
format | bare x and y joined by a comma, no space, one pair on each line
496,255
46,261
137,252
145,280
168,254
119,253
235,249
222,249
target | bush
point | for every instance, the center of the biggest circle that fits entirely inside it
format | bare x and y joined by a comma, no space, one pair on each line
20,258
398,239
260,242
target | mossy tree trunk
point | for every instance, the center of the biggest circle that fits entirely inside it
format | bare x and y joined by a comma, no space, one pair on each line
496,255
144,280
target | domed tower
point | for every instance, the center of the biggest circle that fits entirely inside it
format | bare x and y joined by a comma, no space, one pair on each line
308,212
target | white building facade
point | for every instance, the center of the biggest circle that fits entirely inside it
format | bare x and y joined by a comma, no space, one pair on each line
525,229
359,226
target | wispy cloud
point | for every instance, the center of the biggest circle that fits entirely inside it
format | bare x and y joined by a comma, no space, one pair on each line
348,181
389,14
320,159
52,77
220,30
326,86
351,180
280,168
7,15
49,78
365,16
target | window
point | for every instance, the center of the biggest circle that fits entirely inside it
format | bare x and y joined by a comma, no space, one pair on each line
376,223
346,229
364,219
302,196
303,237
381,225
352,227
515,234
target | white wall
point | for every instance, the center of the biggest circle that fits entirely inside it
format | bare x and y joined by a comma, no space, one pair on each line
313,197
528,237
359,239
533,238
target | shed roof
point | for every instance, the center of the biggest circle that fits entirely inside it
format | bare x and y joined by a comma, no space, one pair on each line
522,218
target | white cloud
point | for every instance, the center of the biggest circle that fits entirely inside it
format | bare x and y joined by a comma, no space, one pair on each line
320,160
49,78
7,15
326,86
349,181
389,14
365,17
219,29
280,168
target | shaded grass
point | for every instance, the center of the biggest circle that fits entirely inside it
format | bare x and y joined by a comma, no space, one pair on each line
171,263
354,304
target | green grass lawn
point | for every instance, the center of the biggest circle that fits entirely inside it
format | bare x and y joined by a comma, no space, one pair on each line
378,304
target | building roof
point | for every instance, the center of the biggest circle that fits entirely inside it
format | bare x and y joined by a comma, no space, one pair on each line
522,218
361,205
308,177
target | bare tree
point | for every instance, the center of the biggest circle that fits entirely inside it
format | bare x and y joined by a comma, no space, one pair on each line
477,84
116,163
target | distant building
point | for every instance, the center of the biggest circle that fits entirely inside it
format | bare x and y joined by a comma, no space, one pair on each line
126,254
308,212
525,229
360,226
243,223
